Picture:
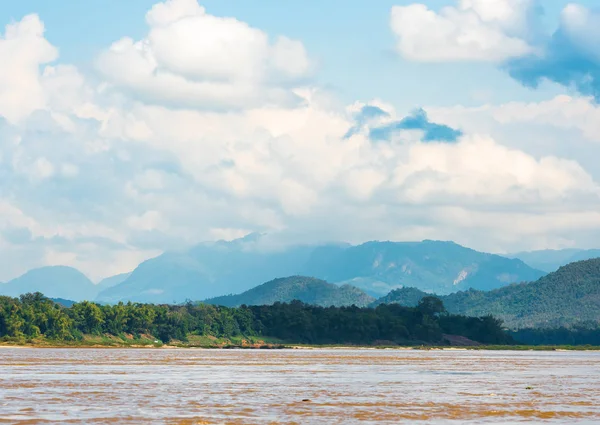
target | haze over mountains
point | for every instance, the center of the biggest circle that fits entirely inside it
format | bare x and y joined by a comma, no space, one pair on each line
54,281
550,260
214,269
111,281
432,266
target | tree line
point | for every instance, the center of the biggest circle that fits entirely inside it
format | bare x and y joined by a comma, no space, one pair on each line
34,316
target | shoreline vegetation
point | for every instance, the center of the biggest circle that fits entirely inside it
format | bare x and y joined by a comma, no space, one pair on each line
94,344
33,320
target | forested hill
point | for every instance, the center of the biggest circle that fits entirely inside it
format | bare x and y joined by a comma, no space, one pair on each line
33,317
306,289
567,297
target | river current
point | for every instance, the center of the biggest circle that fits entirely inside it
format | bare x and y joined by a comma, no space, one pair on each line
194,386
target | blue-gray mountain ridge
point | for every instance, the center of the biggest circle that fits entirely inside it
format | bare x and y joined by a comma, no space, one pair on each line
60,282
550,260
217,268
214,269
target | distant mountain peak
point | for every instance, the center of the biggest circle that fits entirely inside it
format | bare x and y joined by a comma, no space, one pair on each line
54,281
57,270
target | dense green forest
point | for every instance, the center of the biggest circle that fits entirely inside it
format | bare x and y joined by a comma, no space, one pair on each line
33,316
306,289
569,297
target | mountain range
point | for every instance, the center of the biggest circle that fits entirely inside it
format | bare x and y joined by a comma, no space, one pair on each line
432,266
566,297
213,269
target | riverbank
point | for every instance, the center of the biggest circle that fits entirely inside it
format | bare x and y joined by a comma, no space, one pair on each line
143,341
203,342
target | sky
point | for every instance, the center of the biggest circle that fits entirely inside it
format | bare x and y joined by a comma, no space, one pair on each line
131,128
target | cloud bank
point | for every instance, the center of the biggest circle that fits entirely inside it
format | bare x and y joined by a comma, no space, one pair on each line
208,128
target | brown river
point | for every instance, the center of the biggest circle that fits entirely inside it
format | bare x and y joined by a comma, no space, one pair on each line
193,386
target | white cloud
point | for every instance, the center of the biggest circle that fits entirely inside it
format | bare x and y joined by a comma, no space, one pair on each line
13,217
474,30
564,126
509,33
150,220
564,112
296,199
228,234
192,59
477,168
582,26
23,49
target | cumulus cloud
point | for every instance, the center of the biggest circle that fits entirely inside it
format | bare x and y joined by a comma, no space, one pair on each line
569,57
473,30
508,33
365,115
564,126
192,59
23,49
478,169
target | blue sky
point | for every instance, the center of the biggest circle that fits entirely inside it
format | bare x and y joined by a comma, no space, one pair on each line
128,128
350,40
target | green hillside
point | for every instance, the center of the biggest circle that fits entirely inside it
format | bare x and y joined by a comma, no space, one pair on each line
306,289
570,296
408,297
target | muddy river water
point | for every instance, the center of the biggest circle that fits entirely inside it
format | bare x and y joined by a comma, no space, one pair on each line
189,386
